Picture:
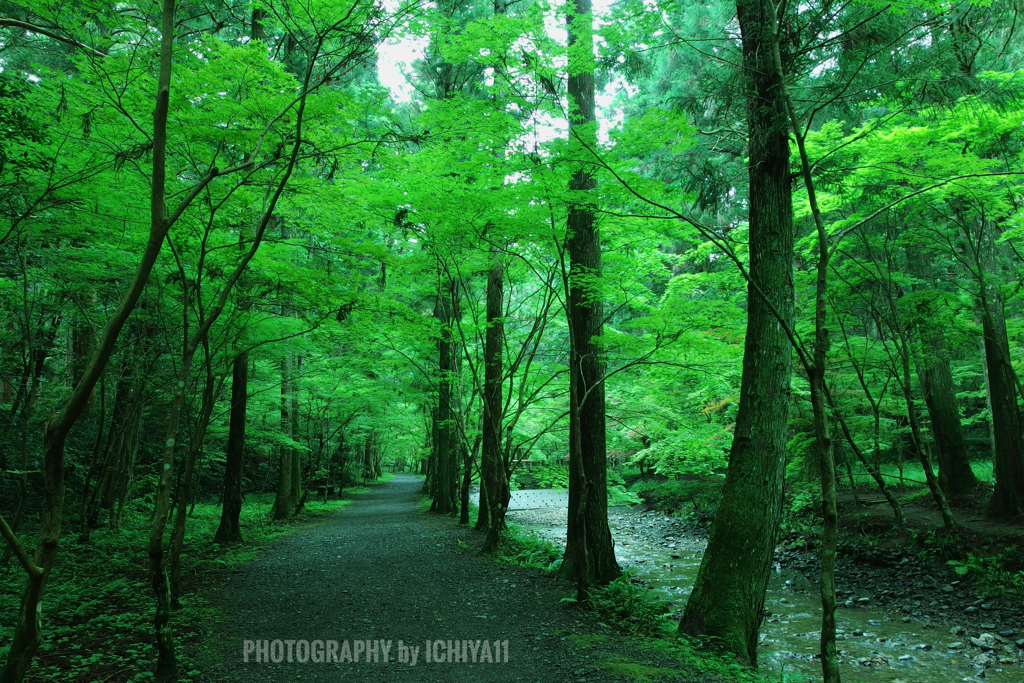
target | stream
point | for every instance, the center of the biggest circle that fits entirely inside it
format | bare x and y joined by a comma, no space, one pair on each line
877,643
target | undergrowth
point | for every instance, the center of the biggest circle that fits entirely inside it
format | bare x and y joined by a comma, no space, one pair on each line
527,549
98,616
629,608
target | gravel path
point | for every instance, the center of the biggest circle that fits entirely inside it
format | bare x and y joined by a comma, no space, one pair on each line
381,571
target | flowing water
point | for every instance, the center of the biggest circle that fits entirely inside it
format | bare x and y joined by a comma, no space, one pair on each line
876,645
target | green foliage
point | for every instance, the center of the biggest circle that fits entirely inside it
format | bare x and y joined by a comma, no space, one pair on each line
996,572
527,549
618,494
629,607
551,475
801,512
695,499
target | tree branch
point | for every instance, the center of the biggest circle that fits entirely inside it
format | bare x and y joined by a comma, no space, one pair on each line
15,23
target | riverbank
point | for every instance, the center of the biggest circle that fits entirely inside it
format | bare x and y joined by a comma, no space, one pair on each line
904,612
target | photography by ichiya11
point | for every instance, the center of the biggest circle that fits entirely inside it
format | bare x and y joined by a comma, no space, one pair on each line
374,651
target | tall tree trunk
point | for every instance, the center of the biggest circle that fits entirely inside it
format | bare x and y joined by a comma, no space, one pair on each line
816,370
589,549
293,431
166,667
483,513
1008,447
494,490
283,504
210,392
903,348
32,373
445,478
727,601
467,476
956,478
228,531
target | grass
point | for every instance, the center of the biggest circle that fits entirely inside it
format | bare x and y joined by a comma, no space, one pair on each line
97,618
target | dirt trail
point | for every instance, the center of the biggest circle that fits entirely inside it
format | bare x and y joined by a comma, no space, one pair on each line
381,571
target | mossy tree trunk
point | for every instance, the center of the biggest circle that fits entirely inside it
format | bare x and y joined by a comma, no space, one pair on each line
1007,441
727,601
211,390
589,549
956,478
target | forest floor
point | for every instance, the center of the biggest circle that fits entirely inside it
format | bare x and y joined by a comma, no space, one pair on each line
970,581
384,571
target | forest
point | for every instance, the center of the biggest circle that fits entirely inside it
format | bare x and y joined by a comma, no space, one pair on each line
755,265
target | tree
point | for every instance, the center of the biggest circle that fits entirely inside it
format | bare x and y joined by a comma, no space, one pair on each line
228,530
727,600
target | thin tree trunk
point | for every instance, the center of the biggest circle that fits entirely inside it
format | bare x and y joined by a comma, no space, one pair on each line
283,501
915,425
871,466
445,477
872,469
166,668
467,476
228,531
31,375
210,392
297,496
816,372
493,482
27,634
